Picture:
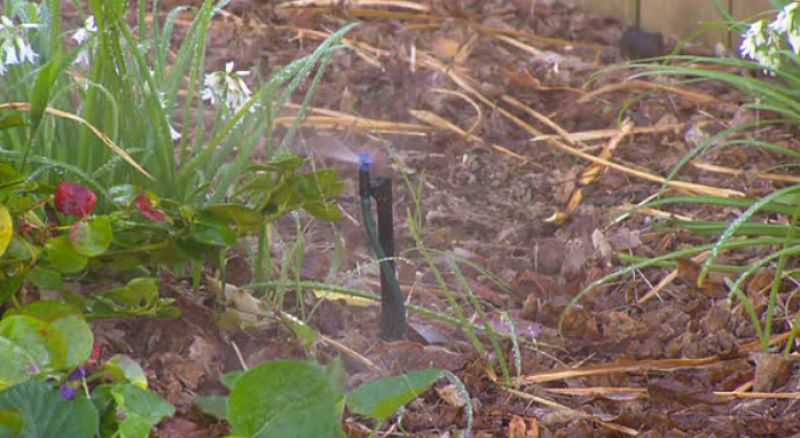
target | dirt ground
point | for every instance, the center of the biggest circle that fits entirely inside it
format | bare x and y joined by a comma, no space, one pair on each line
491,104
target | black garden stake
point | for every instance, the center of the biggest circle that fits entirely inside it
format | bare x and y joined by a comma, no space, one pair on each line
393,308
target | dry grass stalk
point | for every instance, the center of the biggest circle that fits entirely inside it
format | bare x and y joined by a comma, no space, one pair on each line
578,414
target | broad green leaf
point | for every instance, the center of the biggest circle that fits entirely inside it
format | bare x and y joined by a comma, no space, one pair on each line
122,368
38,338
46,414
382,398
247,220
16,365
283,399
64,256
91,238
139,292
45,278
6,229
210,230
79,339
46,310
68,323
327,211
214,405
142,409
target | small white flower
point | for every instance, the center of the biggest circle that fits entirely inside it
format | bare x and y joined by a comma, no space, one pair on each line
228,85
786,23
6,23
82,34
760,45
26,51
11,53
173,133
13,47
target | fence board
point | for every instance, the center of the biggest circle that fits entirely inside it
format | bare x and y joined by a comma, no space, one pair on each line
748,9
622,10
681,18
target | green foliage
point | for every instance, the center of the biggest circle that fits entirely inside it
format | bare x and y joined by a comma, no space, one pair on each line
382,398
51,340
164,200
299,399
45,336
35,410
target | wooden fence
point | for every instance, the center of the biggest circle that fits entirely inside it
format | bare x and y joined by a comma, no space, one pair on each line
681,18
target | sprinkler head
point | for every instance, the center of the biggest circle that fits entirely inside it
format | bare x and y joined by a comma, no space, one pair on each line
365,162
364,181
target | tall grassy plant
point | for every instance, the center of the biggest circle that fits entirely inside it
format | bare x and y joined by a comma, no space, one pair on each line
131,92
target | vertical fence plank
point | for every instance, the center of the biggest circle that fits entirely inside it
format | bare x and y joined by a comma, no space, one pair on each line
619,9
682,19
747,10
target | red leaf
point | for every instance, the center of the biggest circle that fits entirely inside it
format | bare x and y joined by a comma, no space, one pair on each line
145,205
74,199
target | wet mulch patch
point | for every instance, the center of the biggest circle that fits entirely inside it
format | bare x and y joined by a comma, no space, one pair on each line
495,107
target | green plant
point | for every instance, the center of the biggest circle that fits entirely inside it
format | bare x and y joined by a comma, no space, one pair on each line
101,113
775,49
46,349
300,399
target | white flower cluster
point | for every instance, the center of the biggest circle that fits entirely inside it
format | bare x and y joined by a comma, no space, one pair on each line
227,86
81,35
763,42
13,47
